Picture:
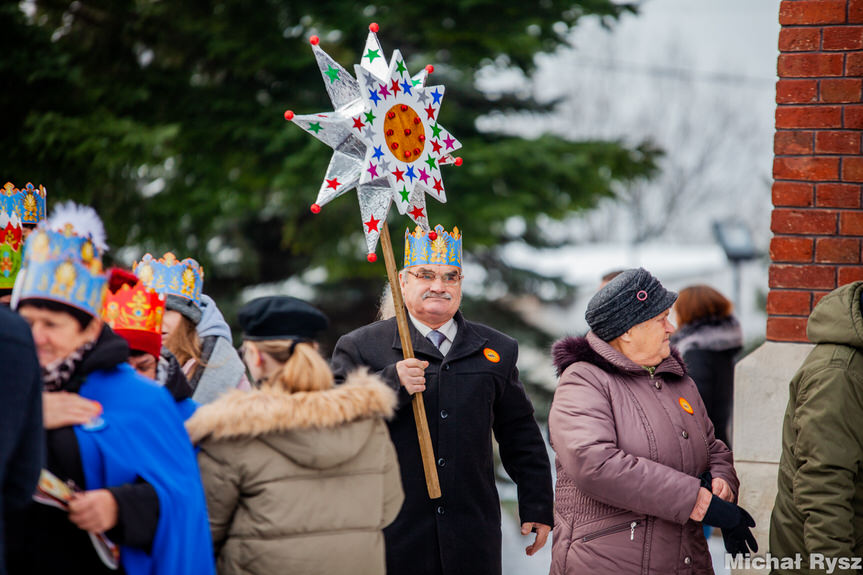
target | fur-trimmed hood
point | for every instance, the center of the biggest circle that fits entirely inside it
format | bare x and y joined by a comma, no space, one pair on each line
309,427
593,350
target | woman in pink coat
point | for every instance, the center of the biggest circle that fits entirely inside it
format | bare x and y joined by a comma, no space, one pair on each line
638,466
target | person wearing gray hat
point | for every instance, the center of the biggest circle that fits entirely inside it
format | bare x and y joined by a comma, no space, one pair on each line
639,465
299,474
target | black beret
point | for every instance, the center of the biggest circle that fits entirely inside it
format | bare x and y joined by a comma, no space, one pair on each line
631,298
281,317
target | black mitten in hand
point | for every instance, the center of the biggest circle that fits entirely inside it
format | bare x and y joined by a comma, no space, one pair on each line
735,523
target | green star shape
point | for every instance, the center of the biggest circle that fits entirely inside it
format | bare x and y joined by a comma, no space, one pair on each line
401,67
315,127
372,54
332,74
416,82
431,163
370,117
404,194
436,130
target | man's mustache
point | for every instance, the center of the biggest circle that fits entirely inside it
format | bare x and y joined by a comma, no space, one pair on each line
441,295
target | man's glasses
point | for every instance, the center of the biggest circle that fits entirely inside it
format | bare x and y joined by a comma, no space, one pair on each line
449,279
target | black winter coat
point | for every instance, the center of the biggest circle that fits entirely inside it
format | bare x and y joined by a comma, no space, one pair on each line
21,438
472,392
38,527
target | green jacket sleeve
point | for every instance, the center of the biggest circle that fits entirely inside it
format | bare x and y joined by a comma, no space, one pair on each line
826,422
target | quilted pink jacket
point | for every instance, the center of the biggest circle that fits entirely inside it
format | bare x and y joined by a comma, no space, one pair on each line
629,447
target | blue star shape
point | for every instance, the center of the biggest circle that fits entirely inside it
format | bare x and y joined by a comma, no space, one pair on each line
406,87
373,96
436,95
378,152
410,173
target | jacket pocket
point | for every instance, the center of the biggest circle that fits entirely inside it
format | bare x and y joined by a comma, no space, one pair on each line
630,525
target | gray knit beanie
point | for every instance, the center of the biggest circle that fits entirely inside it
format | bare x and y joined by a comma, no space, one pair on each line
632,297
184,307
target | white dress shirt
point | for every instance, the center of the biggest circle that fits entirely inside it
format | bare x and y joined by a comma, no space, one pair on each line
449,330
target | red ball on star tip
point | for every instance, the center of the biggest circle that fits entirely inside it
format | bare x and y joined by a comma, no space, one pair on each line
373,27
315,209
458,161
429,68
372,258
313,40
432,235
289,115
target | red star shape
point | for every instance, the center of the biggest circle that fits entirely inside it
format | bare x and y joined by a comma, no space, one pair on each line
437,186
437,147
430,112
373,224
417,212
395,87
334,183
358,123
399,175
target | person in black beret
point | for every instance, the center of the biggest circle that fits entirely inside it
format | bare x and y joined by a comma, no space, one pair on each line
639,466
297,458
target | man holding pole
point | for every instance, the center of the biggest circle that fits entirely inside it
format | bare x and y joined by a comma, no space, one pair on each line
471,387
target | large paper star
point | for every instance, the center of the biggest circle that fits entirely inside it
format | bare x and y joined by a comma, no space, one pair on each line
380,156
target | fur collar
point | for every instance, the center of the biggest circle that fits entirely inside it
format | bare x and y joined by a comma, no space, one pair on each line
570,350
263,411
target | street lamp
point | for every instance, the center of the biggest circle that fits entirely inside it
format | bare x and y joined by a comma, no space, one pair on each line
736,241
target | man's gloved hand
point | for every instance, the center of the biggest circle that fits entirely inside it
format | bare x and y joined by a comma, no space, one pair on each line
735,523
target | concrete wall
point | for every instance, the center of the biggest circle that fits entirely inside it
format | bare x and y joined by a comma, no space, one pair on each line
760,396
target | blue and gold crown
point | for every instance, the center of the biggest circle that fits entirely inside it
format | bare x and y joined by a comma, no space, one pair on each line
170,276
435,247
63,260
28,202
11,246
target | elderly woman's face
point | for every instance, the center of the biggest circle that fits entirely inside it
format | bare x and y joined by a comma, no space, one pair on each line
649,343
57,334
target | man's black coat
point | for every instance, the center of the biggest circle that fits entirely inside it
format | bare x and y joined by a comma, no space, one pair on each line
21,440
471,392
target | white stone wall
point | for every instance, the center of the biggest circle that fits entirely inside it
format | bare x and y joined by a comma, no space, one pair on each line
760,396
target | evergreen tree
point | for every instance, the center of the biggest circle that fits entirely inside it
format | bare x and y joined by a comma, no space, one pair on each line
167,118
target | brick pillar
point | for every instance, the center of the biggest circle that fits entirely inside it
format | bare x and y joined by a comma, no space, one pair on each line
817,222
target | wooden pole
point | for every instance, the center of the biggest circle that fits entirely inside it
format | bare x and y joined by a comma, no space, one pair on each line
426,448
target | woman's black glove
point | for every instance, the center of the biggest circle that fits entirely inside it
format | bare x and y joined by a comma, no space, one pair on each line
735,523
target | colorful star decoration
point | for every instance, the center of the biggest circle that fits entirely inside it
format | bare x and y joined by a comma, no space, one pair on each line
386,139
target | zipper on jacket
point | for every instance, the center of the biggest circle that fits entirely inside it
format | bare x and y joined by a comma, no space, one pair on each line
613,529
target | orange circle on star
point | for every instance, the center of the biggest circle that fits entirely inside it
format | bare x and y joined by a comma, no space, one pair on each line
404,133
491,355
686,407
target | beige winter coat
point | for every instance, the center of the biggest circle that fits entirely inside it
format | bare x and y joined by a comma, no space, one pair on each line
300,483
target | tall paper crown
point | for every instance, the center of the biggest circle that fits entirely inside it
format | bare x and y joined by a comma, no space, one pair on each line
11,246
170,276
28,202
63,260
435,247
135,314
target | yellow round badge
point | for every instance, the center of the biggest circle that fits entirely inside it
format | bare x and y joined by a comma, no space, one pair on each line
491,355
686,407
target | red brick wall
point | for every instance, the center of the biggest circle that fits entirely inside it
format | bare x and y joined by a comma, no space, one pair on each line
817,218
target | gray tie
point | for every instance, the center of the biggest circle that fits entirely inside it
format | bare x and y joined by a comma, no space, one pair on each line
436,337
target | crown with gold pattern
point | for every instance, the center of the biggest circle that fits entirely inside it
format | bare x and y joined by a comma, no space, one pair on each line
28,202
63,260
170,276
135,313
435,247
11,246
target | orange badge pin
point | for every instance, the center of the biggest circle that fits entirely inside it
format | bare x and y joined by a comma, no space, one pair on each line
491,355
686,407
